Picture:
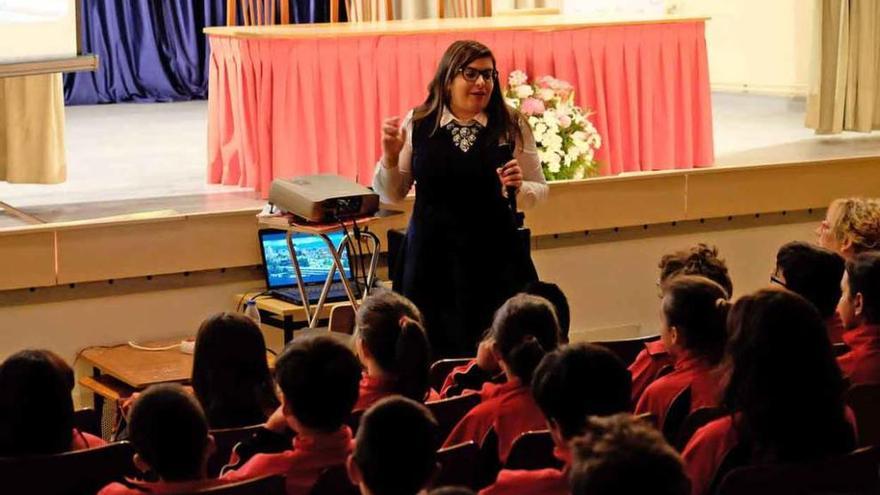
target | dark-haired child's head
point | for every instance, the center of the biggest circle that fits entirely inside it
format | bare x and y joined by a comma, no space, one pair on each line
811,271
782,377
860,286
554,294
390,336
452,490
523,331
702,260
396,448
577,381
318,378
620,454
169,433
694,314
230,375
36,407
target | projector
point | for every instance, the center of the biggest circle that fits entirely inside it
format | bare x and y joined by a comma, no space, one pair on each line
323,198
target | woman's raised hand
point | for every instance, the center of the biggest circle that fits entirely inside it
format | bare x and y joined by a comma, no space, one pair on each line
393,138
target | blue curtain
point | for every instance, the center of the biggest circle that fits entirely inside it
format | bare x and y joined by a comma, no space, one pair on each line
153,50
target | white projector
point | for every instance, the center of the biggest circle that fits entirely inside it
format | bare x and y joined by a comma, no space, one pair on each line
323,198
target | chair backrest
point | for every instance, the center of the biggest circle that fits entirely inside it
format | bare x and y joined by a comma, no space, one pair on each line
334,481
694,421
627,349
265,485
464,8
488,464
354,421
458,465
87,420
257,12
839,349
342,319
225,440
448,412
441,369
79,472
677,412
363,10
853,474
864,400
533,450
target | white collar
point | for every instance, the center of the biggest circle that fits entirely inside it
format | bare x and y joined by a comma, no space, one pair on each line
447,117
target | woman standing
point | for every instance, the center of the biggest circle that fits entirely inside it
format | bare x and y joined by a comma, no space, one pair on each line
464,148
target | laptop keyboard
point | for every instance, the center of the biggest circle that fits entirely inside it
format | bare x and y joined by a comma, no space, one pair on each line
313,292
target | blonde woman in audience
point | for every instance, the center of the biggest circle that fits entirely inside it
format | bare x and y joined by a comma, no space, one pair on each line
851,226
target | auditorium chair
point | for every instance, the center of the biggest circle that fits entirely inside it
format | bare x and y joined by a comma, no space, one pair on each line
839,349
354,421
464,8
363,10
257,12
458,465
864,400
676,414
448,412
693,422
488,464
342,319
70,473
627,349
857,473
87,420
441,369
533,450
334,481
265,485
225,440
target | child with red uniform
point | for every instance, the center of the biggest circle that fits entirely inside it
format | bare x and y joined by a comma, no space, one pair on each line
784,391
396,448
859,310
523,331
36,406
169,433
693,330
571,384
655,358
318,378
622,455
393,348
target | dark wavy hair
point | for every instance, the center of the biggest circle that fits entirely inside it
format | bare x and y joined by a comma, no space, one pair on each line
36,407
525,329
503,120
701,259
863,273
389,325
698,308
783,384
230,375
813,272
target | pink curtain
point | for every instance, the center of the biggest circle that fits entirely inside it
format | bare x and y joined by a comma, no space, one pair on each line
288,107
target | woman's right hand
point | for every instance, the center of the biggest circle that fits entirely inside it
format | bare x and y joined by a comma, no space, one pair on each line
393,139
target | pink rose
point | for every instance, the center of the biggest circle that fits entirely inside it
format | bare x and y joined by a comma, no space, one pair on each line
565,90
532,106
546,82
564,121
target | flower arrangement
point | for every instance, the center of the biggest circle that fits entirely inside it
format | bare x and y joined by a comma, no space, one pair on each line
567,140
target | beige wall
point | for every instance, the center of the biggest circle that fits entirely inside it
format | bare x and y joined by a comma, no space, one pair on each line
756,45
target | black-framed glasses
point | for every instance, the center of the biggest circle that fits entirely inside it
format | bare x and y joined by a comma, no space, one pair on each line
776,280
471,75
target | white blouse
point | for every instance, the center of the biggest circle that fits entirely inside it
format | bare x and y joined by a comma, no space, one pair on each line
394,183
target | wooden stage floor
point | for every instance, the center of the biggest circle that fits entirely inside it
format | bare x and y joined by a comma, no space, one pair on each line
135,158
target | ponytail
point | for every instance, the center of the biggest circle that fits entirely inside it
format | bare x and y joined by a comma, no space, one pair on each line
412,360
525,328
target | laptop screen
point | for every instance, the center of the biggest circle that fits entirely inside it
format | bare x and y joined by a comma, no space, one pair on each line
312,254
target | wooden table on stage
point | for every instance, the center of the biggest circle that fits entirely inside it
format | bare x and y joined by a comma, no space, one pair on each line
301,99
287,316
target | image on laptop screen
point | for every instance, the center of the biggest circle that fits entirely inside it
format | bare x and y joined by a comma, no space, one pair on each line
314,259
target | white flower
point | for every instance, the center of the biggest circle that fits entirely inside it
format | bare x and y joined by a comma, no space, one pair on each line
553,142
524,91
533,121
546,94
579,137
539,130
517,78
549,118
553,165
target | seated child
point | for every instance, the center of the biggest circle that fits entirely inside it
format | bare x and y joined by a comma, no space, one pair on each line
396,448
571,384
523,331
318,378
859,310
169,433
36,406
620,454
693,330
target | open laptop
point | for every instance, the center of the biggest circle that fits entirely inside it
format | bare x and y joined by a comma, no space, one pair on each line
314,263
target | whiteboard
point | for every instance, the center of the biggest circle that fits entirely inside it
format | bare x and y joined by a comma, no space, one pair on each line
37,30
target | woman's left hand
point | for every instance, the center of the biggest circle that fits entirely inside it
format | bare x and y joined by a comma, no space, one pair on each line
511,174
